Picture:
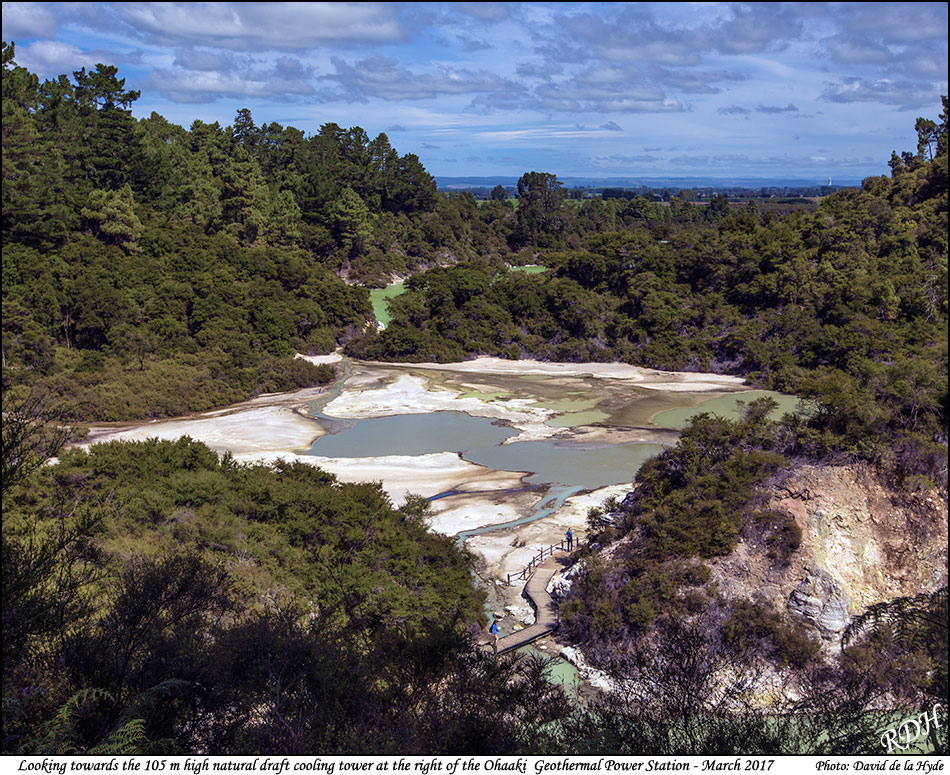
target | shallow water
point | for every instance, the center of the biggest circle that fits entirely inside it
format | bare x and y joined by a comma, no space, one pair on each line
574,419
479,440
552,463
558,469
559,671
727,406
412,434
547,505
644,407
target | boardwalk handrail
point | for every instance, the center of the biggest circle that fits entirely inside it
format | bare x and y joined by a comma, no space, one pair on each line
525,573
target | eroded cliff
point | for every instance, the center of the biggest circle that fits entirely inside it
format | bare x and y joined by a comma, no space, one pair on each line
861,543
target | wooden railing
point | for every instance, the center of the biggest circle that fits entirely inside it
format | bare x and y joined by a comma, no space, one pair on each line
525,573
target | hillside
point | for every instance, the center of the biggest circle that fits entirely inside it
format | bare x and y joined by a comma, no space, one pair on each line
863,542
151,270
829,608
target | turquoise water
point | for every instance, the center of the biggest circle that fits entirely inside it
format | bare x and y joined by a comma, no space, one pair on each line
479,440
559,670
726,406
552,501
550,463
412,434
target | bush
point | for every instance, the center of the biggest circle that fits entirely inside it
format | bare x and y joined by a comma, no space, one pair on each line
781,534
756,629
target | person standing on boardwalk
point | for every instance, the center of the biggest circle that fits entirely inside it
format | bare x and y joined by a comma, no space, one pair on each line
570,540
494,635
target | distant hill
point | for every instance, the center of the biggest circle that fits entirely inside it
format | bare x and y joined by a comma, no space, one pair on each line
456,183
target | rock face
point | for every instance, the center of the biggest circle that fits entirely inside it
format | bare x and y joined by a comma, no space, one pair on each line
861,544
823,601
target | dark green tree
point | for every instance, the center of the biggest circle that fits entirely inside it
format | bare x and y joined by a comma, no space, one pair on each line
540,217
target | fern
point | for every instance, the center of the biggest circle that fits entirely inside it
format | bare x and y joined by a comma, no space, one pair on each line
58,735
910,618
127,740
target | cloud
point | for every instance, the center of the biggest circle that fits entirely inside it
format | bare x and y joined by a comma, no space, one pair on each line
384,78
632,33
619,158
894,23
692,81
254,26
486,12
629,36
487,104
753,29
605,90
924,61
547,132
28,20
471,44
901,39
191,59
430,146
570,67
543,70
287,79
49,58
851,50
774,109
901,94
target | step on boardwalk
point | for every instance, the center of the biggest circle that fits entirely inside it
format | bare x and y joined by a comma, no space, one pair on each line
546,611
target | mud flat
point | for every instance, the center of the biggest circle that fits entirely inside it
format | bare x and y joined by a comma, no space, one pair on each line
660,380
242,430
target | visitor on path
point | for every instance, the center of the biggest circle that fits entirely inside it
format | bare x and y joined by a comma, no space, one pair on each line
494,635
570,540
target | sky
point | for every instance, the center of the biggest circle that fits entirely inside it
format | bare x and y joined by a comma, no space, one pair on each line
645,90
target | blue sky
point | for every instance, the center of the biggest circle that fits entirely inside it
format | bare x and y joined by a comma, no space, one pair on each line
765,90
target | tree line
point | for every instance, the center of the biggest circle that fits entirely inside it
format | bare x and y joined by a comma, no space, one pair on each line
151,270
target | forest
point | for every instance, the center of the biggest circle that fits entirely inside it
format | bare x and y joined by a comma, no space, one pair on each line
160,599
845,306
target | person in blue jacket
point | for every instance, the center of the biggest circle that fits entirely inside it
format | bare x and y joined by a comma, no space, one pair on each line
494,635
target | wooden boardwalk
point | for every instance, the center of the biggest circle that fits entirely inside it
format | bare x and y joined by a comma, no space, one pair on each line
546,613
